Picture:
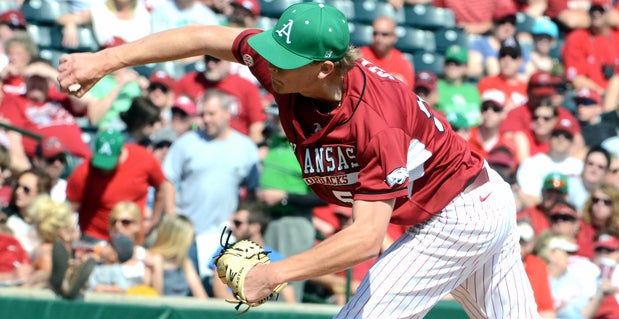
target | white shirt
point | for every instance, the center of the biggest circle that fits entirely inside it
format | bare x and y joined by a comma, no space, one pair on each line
533,170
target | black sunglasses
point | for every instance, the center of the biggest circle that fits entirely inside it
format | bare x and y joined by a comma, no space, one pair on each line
491,106
562,218
585,102
124,221
158,86
60,157
562,133
606,201
383,34
25,188
604,250
513,55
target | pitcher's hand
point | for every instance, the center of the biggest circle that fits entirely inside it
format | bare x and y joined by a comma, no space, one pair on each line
84,69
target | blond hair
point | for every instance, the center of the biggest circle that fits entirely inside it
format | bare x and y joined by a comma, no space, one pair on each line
132,208
347,62
174,239
49,217
612,192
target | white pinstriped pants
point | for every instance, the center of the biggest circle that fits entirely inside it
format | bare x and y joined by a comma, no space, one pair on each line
470,249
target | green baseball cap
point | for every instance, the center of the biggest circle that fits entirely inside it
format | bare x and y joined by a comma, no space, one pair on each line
555,181
108,146
457,54
305,32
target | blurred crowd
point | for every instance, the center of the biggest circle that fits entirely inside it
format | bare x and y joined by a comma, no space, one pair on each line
134,187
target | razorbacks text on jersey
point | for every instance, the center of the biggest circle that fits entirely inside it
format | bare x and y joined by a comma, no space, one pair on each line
370,148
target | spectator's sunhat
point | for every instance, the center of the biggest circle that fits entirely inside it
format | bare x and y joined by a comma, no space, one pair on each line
457,53
555,181
305,32
545,26
108,146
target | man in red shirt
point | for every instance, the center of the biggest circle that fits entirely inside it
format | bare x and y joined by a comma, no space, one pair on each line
383,53
248,116
365,141
117,172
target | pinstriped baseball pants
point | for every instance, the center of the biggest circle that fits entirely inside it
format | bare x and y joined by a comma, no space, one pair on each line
470,250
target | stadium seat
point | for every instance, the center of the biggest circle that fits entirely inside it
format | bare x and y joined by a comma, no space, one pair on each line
346,6
445,38
429,61
368,10
414,40
360,34
274,8
44,11
86,40
423,16
42,35
8,5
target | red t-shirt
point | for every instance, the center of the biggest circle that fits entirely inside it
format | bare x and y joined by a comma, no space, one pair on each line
476,144
536,217
11,253
245,112
46,119
382,142
515,91
537,272
98,192
584,54
394,63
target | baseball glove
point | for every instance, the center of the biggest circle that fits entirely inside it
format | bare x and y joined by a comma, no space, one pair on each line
233,264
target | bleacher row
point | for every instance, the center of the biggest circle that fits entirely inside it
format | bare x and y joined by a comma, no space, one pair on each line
425,32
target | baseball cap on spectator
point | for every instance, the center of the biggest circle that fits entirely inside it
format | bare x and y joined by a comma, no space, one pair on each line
600,5
14,19
545,26
501,156
560,242
426,80
252,6
544,83
587,96
607,242
186,105
161,77
511,47
50,147
493,96
525,231
457,53
555,181
123,245
320,33
564,210
113,42
564,127
163,138
108,146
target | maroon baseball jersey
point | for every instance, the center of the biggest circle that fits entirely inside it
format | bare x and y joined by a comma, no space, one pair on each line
382,142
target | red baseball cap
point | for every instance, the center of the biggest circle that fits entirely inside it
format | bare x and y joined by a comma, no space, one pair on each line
563,209
13,18
588,94
426,80
252,5
544,83
50,146
113,42
502,158
564,125
161,77
495,96
185,104
606,241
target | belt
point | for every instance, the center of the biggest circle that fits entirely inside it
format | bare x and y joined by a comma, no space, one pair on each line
481,179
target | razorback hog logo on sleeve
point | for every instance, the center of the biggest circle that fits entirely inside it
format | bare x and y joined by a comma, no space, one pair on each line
397,177
330,165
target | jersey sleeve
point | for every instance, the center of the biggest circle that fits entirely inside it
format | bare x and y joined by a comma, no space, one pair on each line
244,54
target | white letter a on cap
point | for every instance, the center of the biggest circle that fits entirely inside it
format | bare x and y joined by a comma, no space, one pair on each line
285,30
105,149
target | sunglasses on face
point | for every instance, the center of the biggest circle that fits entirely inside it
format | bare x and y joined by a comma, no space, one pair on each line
604,250
562,218
60,157
123,221
542,117
512,55
606,201
585,102
566,135
382,34
453,63
491,106
158,86
25,189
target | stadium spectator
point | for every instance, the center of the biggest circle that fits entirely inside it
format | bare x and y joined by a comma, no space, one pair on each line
383,54
476,17
554,190
11,21
211,193
21,50
51,157
592,175
142,119
28,185
484,53
185,116
247,112
109,276
536,269
486,136
425,87
595,128
250,222
459,124
506,79
5,174
607,257
117,172
178,13
54,221
172,272
532,170
112,95
612,175
545,34
15,267
245,13
569,14
565,220
601,211
455,93
160,91
288,200
128,20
